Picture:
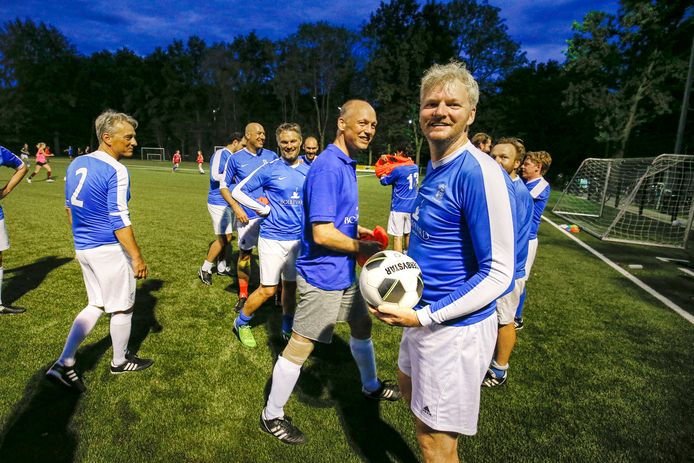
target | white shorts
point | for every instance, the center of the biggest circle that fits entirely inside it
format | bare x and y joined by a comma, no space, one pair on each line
447,365
532,252
507,305
248,233
277,258
109,277
399,223
4,237
222,219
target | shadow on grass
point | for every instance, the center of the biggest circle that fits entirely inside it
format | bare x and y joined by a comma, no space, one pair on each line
330,378
28,277
144,316
39,428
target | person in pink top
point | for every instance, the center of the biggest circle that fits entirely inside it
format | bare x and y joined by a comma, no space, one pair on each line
200,159
42,155
176,160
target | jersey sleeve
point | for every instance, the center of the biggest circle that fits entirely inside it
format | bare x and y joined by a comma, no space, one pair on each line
227,177
390,178
118,213
486,211
540,204
256,180
322,196
9,158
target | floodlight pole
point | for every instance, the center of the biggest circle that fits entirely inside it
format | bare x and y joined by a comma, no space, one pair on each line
685,103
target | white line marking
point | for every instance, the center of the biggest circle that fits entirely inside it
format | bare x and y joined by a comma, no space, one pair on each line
667,259
681,312
687,271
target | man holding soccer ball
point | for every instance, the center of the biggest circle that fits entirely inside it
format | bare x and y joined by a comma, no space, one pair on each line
326,276
463,240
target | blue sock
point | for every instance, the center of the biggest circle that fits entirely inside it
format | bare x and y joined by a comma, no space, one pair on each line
242,320
287,322
363,353
499,370
519,310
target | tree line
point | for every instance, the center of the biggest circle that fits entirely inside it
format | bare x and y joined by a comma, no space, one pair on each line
617,93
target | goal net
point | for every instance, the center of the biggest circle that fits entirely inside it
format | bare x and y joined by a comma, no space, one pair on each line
151,153
640,200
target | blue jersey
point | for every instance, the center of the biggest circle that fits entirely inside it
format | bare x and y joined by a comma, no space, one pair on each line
306,160
97,191
524,223
9,159
217,163
405,181
463,237
241,165
283,186
330,195
539,190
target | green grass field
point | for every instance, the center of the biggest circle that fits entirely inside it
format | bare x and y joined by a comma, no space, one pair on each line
602,372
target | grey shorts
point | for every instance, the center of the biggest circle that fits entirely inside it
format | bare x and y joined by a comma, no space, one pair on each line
318,310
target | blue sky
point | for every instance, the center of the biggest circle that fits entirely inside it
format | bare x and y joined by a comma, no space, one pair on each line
540,26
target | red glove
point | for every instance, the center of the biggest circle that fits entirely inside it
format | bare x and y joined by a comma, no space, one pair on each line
379,235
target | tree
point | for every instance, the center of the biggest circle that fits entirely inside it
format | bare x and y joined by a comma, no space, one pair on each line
623,67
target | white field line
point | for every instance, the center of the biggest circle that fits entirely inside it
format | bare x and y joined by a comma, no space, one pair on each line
687,271
667,259
681,312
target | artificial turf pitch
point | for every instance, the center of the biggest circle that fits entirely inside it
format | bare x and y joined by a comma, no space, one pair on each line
602,372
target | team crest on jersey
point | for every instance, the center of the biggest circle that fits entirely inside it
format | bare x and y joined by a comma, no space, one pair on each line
440,191
295,195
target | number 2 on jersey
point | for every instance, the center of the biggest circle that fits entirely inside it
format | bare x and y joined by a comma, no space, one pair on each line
82,172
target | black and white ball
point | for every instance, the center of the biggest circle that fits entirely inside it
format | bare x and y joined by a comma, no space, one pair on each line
390,276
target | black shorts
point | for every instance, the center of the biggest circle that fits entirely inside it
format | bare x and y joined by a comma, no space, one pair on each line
41,163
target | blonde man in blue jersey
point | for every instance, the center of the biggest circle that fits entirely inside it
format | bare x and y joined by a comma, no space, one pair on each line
463,240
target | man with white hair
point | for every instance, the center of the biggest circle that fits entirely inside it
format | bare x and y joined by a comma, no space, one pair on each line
97,191
463,240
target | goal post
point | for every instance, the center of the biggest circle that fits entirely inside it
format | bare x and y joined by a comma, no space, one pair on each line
634,200
150,153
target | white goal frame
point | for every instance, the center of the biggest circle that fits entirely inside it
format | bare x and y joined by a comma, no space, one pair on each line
150,152
647,201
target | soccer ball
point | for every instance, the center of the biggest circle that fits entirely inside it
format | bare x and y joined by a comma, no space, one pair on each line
389,276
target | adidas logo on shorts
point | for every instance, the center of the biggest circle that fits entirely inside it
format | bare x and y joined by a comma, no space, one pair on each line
426,411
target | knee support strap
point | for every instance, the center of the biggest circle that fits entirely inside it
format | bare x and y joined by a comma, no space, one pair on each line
297,351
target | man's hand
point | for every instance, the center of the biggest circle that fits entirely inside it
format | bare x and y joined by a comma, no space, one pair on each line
393,315
368,248
240,214
140,268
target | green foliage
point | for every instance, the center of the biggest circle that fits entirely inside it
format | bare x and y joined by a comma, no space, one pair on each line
627,69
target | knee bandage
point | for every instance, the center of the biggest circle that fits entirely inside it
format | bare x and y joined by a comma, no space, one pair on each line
297,351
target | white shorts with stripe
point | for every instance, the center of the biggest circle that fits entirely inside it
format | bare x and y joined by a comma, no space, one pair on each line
532,252
222,219
399,223
108,276
248,233
277,258
507,304
4,237
447,365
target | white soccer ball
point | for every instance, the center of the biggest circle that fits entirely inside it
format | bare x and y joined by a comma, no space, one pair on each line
390,276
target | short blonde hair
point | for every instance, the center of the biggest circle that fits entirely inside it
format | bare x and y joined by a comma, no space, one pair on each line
480,138
540,157
288,127
107,121
517,144
442,75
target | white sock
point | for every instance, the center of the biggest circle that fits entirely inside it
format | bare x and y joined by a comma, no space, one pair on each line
83,325
363,353
2,273
120,335
222,265
284,378
207,266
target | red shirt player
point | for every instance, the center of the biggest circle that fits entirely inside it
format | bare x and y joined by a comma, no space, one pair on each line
200,159
176,160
